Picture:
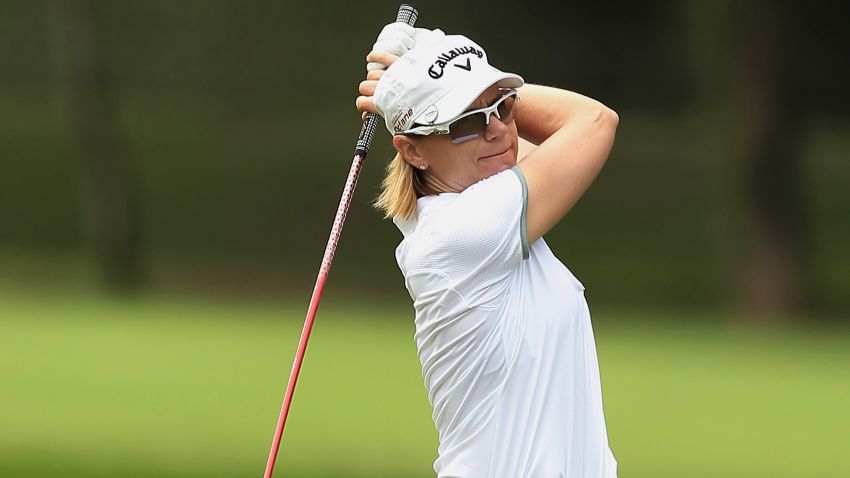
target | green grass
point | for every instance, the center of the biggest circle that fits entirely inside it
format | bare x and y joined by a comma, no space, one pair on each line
158,387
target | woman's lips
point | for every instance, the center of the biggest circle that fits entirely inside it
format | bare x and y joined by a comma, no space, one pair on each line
496,154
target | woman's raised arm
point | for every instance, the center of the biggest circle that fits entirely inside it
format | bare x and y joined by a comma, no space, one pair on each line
574,135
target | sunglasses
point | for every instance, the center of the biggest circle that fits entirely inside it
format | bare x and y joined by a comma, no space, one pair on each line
471,124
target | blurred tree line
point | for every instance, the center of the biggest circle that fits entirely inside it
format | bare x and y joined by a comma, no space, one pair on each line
207,142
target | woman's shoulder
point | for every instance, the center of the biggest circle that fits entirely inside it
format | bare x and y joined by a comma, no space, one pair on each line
497,183
480,197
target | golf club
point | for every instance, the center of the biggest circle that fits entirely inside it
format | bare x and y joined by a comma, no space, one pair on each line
406,14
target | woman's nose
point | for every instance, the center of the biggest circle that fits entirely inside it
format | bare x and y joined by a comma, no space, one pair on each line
495,129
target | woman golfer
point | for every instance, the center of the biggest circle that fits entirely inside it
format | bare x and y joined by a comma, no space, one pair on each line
503,331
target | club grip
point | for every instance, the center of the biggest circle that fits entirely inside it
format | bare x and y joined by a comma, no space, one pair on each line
406,14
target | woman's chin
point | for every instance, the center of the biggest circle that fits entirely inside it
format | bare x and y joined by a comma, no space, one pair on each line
498,163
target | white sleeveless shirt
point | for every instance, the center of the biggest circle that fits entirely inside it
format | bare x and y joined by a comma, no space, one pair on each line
504,337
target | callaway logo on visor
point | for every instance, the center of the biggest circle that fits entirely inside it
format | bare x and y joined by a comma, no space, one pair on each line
436,70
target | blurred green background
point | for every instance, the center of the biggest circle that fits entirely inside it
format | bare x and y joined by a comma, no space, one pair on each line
169,172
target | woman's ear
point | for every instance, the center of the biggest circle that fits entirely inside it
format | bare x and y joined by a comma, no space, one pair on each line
408,148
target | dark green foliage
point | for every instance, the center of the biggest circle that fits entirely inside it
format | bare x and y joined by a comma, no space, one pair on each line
238,120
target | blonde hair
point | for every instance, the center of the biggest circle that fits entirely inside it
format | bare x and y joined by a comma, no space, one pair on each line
403,184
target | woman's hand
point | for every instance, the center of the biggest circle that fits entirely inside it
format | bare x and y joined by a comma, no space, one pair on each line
396,38
367,87
394,41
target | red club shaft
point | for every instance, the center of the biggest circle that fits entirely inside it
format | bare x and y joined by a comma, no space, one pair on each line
406,14
341,212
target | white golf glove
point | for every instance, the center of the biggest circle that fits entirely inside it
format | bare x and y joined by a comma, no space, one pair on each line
397,38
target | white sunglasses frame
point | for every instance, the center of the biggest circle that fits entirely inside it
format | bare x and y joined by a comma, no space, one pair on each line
444,128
